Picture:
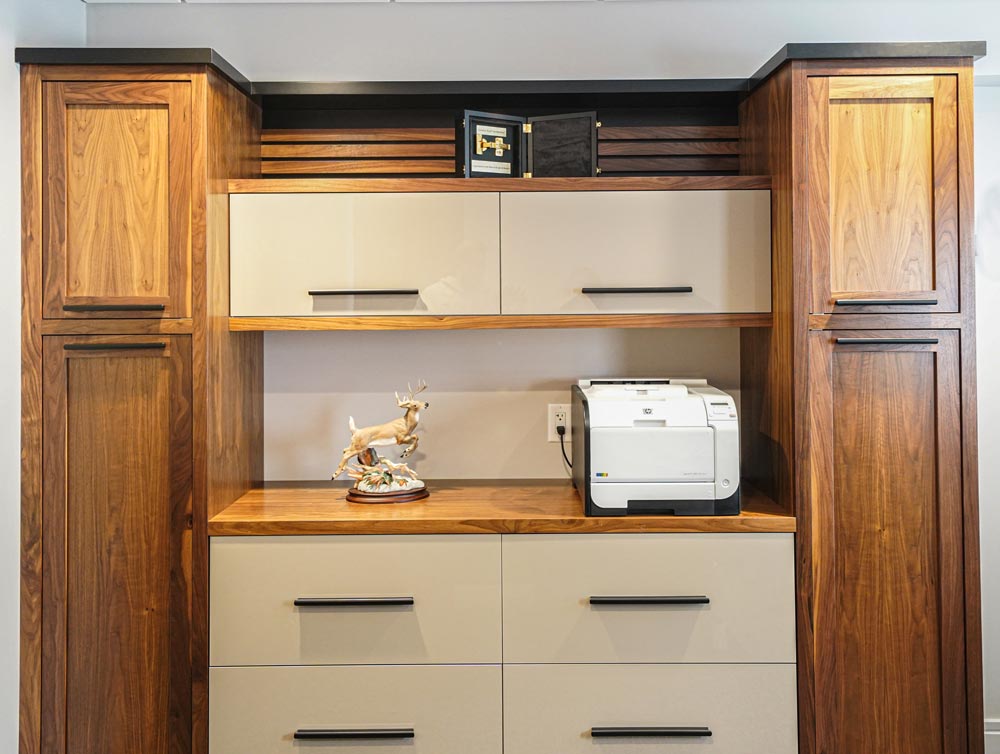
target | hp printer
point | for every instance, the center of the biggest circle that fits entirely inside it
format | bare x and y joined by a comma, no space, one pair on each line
655,446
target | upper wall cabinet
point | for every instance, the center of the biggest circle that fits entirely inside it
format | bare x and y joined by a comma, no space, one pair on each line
364,254
636,252
117,214
883,193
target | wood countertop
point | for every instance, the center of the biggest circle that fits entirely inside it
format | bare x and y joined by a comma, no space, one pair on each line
465,507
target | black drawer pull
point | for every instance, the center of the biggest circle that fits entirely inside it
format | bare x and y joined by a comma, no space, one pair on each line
366,292
114,307
677,731
159,346
345,734
693,599
886,341
663,289
885,302
352,601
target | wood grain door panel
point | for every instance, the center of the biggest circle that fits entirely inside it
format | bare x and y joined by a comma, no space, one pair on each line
117,218
887,543
116,548
883,193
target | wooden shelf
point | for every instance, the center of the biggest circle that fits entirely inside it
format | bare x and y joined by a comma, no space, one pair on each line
466,507
501,322
418,185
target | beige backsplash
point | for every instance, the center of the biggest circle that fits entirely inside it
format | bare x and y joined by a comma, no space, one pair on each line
488,391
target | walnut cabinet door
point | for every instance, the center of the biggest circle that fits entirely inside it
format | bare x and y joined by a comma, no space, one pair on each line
888,583
116,544
883,194
116,234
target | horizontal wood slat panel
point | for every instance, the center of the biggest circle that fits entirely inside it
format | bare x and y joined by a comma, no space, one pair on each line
609,133
354,151
669,164
321,135
649,148
355,167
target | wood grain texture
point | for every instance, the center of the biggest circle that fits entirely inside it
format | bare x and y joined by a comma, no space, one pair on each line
687,163
650,148
117,201
116,326
888,573
883,191
228,375
314,151
30,675
357,167
116,536
615,183
610,133
510,507
502,322
886,321
320,135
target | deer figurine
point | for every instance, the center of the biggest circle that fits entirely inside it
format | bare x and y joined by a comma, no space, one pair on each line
397,432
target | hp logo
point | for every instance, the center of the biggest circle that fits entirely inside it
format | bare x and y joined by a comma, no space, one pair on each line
647,411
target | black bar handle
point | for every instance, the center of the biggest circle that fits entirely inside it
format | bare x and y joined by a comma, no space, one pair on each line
114,307
366,292
352,601
675,731
885,301
886,341
657,289
693,599
344,734
159,346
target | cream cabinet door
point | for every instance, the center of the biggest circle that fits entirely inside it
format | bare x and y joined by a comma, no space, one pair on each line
636,709
364,254
648,598
634,252
454,709
362,599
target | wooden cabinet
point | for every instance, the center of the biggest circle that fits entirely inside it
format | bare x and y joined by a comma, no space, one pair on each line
116,545
117,199
635,252
883,196
364,254
888,583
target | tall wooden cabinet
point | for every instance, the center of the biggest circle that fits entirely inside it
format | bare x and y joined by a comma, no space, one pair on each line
125,445
869,392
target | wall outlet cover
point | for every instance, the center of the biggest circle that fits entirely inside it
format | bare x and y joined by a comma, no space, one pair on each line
559,413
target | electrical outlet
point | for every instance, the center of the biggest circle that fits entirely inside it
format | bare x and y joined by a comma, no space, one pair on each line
558,417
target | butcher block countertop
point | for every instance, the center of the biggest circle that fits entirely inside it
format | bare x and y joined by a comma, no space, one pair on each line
465,507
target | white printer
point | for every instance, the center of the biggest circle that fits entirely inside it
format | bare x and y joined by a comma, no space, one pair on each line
655,446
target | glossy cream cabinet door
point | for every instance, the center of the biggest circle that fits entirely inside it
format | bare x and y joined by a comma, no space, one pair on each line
556,244
449,709
438,253
748,579
749,709
453,580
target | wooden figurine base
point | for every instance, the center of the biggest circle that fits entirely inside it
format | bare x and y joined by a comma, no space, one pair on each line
354,495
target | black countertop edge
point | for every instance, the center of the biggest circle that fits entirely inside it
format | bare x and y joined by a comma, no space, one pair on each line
208,56
858,50
531,86
133,56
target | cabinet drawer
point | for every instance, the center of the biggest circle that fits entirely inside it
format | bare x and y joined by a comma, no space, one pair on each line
549,582
301,254
749,709
418,710
557,245
453,582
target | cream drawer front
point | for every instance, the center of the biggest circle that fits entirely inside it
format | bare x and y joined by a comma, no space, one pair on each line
749,709
446,709
453,580
557,244
549,580
443,246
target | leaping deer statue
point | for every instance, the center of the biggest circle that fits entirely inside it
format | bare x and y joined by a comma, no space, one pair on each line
397,432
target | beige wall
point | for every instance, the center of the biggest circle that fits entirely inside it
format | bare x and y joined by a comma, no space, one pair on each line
488,391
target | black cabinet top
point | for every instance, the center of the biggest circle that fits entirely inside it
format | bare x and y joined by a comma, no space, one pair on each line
208,56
